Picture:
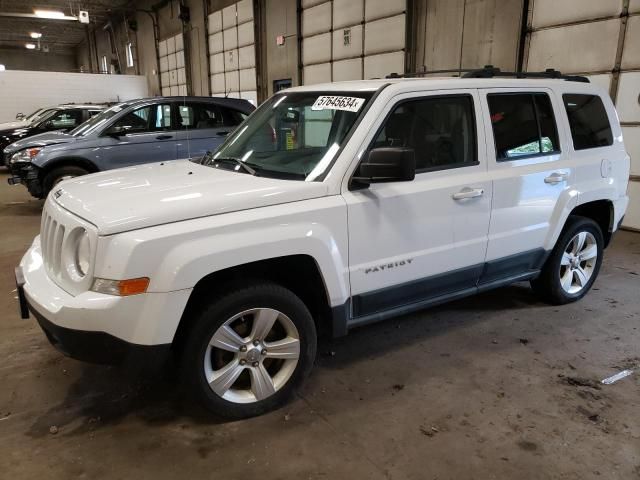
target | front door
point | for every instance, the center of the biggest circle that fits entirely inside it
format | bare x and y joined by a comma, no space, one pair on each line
424,240
143,135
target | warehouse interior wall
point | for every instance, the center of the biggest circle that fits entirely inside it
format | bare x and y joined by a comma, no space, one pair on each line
21,59
280,18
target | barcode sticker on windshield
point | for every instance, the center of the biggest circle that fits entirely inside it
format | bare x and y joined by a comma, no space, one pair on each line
333,102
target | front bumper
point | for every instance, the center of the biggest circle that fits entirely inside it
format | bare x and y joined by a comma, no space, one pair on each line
100,328
27,174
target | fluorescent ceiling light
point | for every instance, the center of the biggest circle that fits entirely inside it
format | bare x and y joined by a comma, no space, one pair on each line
35,35
53,14
30,46
49,14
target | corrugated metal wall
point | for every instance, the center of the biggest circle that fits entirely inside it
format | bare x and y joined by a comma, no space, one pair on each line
602,40
453,34
232,53
352,39
173,80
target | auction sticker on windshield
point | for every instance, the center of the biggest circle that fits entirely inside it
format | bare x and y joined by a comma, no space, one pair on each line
334,102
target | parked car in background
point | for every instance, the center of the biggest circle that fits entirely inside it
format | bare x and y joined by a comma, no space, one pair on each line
60,118
130,133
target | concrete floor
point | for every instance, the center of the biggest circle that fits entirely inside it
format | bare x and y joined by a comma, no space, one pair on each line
495,386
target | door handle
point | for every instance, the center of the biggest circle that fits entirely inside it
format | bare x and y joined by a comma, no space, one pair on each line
468,192
222,134
556,177
164,137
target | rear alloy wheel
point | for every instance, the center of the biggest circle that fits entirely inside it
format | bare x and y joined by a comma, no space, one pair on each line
573,264
578,262
250,350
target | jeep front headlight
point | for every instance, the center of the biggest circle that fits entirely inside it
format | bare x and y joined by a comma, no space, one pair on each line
83,254
25,155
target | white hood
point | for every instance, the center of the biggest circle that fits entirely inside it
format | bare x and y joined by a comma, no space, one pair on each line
147,195
14,124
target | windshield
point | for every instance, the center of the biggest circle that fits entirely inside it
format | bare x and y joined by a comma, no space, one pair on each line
38,114
97,121
293,135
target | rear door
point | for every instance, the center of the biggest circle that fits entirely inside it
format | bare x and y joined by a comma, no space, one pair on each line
203,126
531,175
142,135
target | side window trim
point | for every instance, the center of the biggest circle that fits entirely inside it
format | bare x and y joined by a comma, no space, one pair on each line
532,94
474,119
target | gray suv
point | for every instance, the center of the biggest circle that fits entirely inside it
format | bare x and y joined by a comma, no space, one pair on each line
130,133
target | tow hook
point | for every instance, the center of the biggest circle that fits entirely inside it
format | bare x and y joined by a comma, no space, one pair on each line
14,180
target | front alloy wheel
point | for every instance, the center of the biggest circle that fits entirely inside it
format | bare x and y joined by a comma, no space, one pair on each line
252,355
249,350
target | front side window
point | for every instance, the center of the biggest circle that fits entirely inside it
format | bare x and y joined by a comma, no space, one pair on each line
149,118
523,125
588,120
65,119
293,135
440,130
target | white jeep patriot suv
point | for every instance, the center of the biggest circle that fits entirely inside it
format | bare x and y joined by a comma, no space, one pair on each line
331,207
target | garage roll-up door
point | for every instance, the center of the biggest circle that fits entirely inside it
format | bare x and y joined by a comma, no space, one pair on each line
601,40
173,79
352,39
232,53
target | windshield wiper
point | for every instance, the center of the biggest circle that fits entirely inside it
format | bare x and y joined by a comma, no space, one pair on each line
208,158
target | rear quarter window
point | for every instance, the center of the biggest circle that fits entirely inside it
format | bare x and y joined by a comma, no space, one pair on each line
588,120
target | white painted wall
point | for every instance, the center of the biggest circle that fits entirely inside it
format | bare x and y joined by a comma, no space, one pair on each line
26,91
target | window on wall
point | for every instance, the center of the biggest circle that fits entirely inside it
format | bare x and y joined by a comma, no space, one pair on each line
441,131
588,120
129,55
523,125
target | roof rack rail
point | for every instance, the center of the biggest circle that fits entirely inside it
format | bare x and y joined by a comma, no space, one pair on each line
489,71
459,71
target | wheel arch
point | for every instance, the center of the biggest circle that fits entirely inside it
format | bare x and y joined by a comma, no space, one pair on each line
286,271
67,161
600,211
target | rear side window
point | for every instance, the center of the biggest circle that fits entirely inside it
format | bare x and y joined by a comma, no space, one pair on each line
441,131
588,120
199,116
523,125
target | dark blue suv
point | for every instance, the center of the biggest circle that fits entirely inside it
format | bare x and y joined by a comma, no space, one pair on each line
130,133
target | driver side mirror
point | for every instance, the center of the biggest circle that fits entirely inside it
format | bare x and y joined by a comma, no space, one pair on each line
48,125
387,164
117,131
19,116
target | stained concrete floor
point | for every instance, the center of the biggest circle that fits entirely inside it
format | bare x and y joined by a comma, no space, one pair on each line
495,386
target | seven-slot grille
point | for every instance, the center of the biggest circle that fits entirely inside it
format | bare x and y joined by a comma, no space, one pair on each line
51,237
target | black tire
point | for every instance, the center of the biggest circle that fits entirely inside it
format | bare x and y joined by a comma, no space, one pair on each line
547,285
212,316
54,176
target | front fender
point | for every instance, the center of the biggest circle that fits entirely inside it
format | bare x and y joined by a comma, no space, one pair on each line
178,255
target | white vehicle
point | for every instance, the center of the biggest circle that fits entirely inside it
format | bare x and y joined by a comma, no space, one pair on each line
331,207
